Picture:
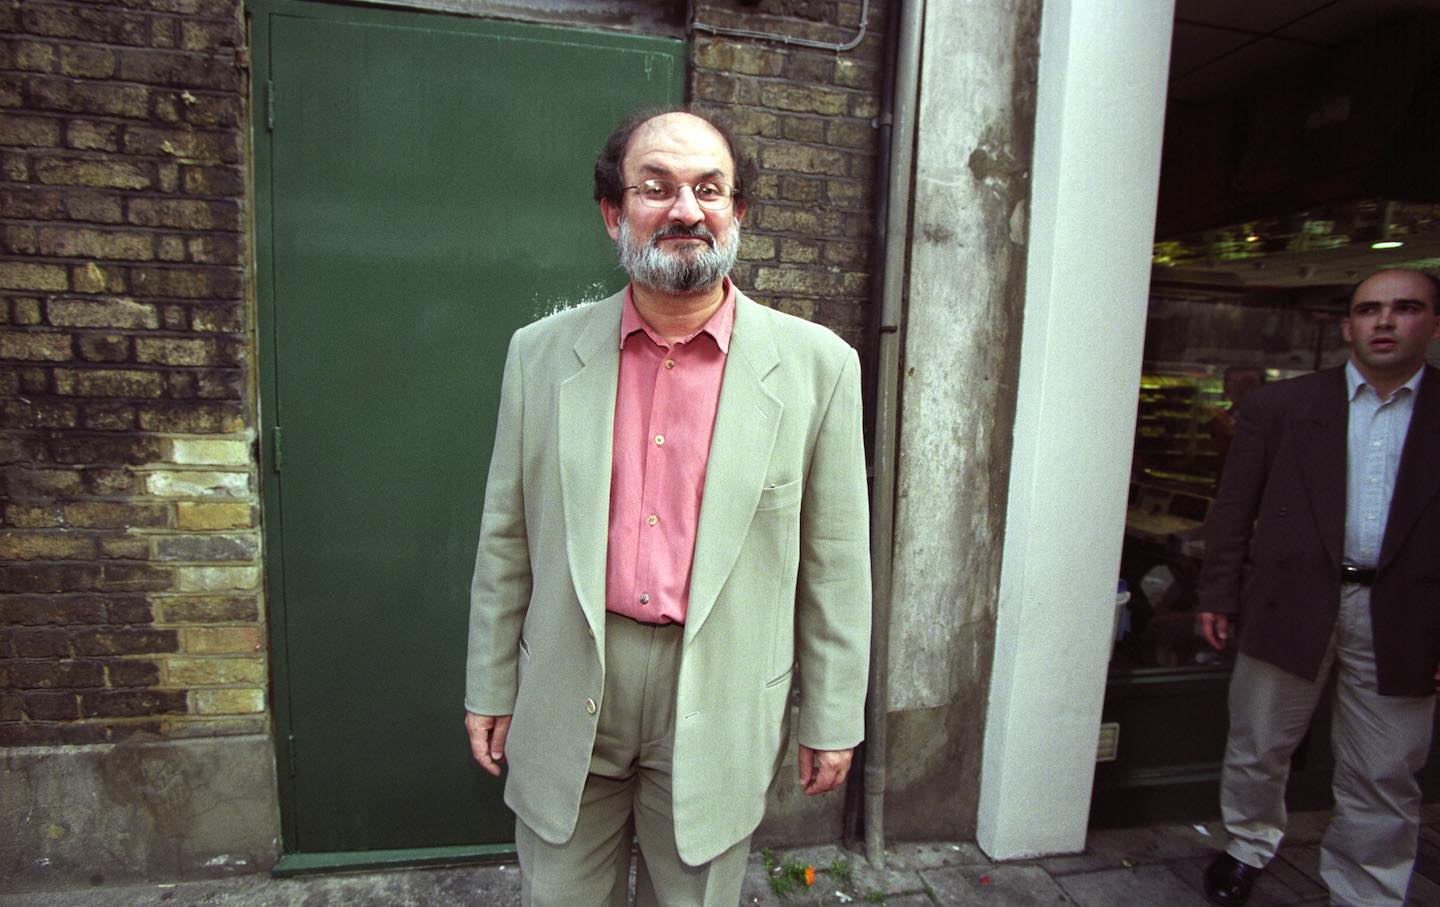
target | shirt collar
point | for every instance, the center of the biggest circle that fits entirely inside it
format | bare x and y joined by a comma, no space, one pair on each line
719,326
1354,381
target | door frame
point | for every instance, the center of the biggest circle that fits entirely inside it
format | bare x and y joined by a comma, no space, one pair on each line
269,452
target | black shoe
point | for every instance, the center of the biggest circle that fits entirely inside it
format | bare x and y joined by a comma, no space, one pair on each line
1228,881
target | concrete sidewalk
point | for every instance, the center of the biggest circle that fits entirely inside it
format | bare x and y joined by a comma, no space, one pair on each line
1144,867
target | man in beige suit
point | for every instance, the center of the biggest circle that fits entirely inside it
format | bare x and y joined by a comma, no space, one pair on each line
674,537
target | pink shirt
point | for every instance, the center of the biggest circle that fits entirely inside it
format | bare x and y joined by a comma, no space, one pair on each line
664,419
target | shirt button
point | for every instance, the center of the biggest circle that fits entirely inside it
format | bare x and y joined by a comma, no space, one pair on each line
652,519
669,363
644,598
659,440
590,706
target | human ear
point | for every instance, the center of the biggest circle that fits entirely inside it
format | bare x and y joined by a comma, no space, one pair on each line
610,212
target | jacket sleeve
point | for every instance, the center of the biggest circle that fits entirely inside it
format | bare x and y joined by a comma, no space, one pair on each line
500,587
832,608
1230,524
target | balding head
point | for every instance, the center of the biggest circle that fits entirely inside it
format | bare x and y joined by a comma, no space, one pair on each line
610,164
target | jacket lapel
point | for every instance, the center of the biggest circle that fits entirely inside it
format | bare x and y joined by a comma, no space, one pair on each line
1418,480
586,433
747,418
1320,432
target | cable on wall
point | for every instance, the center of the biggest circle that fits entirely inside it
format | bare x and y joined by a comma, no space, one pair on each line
854,42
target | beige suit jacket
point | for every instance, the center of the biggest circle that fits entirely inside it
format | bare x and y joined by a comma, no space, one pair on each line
780,582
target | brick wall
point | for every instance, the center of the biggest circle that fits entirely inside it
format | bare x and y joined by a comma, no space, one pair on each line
808,118
129,552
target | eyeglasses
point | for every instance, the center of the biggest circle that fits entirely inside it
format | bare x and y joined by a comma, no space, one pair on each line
711,195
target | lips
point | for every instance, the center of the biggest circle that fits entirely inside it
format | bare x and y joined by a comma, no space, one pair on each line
682,234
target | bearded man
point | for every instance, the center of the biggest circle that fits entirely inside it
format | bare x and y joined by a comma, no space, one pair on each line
675,536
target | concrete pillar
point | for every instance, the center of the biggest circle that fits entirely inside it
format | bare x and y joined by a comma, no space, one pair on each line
1099,117
965,298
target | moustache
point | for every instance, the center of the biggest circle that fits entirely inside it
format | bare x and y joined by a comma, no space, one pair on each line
698,231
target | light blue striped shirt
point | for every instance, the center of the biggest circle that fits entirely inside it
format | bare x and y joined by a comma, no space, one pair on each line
1376,438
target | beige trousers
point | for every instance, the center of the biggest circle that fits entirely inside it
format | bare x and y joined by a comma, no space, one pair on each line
627,796
1379,743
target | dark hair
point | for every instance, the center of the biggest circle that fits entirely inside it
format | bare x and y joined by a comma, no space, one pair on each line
1429,276
608,181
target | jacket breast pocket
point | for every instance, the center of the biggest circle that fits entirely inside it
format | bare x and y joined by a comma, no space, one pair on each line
779,496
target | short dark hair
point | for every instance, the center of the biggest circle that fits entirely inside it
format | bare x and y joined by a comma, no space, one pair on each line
608,181
1428,275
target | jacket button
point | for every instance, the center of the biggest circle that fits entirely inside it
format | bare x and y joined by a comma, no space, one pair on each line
590,706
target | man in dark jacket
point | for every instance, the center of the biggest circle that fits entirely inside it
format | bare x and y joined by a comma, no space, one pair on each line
1325,541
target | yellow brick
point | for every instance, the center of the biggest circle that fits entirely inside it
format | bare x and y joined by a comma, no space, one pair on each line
190,452
193,726
45,546
35,347
27,310
91,278
222,640
18,275
200,672
130,547
191,515
33,517
242,701
198,484
214,579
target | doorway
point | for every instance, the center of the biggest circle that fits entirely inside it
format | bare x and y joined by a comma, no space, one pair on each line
1292,167
422,190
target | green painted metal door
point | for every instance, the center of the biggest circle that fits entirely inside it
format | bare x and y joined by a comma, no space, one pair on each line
422,190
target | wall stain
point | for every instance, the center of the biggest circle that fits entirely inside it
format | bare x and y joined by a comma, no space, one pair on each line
995,163
937,234
160,781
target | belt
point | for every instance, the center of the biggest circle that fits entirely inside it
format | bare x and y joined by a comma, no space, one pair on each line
645,623
1360,576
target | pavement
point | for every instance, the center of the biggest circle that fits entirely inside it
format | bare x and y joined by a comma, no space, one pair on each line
1154,866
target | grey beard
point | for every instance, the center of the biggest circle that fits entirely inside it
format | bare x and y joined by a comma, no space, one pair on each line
650,266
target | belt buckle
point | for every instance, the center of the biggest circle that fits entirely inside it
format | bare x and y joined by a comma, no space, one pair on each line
1360,576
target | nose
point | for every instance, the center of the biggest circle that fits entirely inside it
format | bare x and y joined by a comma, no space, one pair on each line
1386,314
685,208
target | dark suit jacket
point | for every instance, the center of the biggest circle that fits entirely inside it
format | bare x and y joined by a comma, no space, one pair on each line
1275,534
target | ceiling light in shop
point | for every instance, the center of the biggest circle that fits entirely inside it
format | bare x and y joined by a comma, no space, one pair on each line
1328,244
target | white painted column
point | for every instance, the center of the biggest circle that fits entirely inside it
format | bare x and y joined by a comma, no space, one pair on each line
1099,118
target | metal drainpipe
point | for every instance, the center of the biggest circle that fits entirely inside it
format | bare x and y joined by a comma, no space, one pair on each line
885,340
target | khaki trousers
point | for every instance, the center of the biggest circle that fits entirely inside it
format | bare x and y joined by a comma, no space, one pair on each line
1379,743
627,796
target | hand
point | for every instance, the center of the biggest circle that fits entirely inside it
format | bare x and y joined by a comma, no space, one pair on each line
1215,628
1437,678
823,770
487,739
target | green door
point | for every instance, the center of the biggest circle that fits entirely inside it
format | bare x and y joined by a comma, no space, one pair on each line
423,189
